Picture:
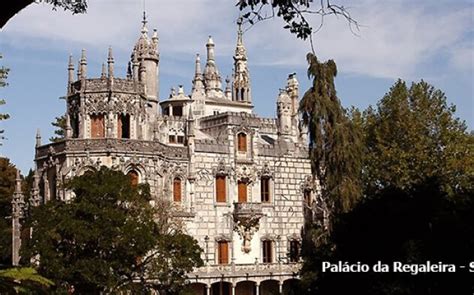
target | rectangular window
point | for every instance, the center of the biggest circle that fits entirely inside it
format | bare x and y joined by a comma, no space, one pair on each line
97,126
178,111
123,126
294,251
267,251
220,189
265,189
177,190
222,252
242,191
242,142
172,139
180,139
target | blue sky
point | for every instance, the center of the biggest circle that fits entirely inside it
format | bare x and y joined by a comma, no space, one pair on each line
411,40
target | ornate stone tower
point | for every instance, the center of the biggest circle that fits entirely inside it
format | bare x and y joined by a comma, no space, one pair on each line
241,84
284,113
212,78
145,60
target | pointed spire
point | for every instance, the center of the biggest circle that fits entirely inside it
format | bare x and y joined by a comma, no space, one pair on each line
241,84
135,66
18,182
70,69
154,38
228,91
197,81
83,64
210,49
144,22
197,71
38,138
103,74
239,32
110,63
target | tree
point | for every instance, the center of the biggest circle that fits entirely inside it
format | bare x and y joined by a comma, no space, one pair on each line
23,280
411,226
106,237
75,6
3,83
335,147
60,124
413,135
295,14
7,186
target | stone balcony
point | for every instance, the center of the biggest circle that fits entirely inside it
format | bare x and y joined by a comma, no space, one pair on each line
245,210
246,271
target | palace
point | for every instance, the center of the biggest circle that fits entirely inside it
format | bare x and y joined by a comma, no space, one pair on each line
238,182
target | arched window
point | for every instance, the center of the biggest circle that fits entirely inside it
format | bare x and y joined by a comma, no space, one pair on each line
97,126
223,252
267,251
133,176
177,189
242,142
294,250
221,189
242,191
123,126
265,189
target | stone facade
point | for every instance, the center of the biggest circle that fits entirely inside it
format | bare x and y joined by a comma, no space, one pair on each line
237,181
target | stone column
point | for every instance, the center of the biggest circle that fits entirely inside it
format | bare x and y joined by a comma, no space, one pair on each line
208,290
257,288
280,287
233,289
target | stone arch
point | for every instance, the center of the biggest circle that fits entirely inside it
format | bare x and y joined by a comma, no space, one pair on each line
269,287
292,287
246,287
221,288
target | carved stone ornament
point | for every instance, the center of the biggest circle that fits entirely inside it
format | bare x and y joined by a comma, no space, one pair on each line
247,222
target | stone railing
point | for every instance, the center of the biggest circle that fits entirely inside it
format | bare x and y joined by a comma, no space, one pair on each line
244,209
110,145
249,269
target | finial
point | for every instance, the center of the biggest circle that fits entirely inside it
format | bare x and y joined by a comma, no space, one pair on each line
83,64
198,65
210,41
38,137
71,63
70,69
180,90
83,56
144,22
110,63
239,30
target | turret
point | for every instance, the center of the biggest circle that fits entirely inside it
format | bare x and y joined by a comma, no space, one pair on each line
241,91
83,65
145,60
70,76
284,113
212,78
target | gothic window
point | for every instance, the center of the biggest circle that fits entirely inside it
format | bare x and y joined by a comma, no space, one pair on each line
177,189
294,250
178,111
242,91
221,189
223,252
74,126
97,126
242,142
265,189
123,126
172,139
133,176
242,191
267,251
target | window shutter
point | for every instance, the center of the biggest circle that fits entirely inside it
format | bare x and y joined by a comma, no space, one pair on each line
223,255
133,178
119,126
242,142
97,126
220,188
242,191
177,190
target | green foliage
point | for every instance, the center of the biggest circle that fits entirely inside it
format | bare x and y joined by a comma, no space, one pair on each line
335,145
75,6
60,124
3,83
414,135
411,226
23,280
105,237
7,186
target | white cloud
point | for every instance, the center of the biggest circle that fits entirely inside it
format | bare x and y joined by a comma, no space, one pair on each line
394,39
